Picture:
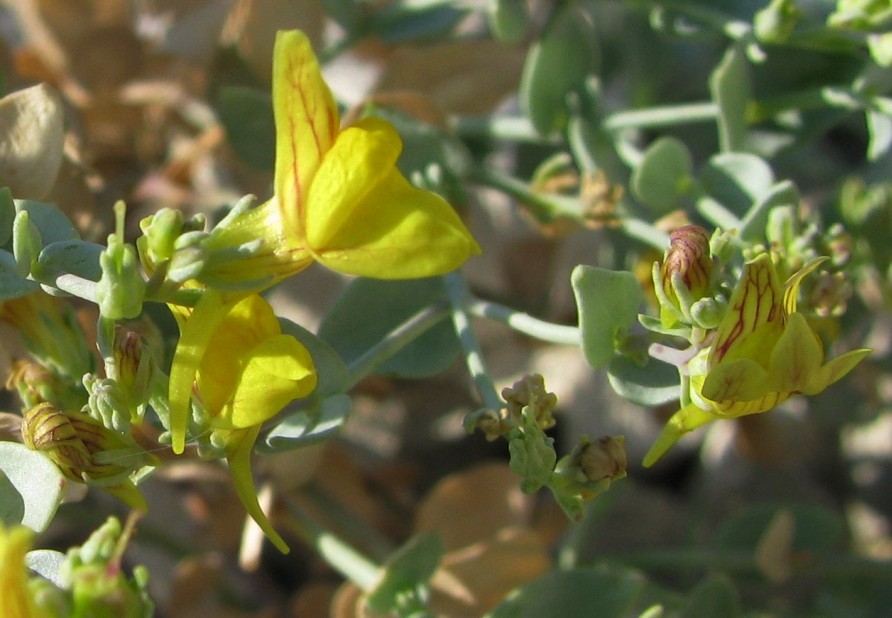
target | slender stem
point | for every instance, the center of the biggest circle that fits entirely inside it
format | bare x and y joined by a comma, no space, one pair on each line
342,557
544,207
661,116
525,323
459,297
508,128
396,340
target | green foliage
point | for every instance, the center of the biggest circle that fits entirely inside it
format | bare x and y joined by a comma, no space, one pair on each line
31,487
602,323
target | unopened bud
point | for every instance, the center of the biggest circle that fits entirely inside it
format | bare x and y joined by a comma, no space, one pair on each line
591,467
684,276
86,451
529,392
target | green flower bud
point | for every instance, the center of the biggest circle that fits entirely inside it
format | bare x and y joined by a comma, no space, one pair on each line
86,451
592,466
707,313
98,584
26,243
121,288
774,23
527,398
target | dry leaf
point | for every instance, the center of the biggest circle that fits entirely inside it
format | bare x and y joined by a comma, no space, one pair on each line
32,141
463,77
474,505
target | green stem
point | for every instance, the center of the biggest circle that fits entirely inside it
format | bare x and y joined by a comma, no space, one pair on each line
525,323
459,297
341,556
507,128
661,116
395,341
544,207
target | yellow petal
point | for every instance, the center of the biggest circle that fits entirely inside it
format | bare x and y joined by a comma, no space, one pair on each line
15,601
306,123
195,335
736,380
278,371
756,300
834,370
239,445
364,218
685,420
791,287
796,357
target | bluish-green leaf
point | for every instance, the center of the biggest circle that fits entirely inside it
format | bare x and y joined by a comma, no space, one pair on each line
247,115
608,303
715,597
879,130
509,20
316,423
407,571
7,215
731,183
558,64
752,227
663,176
76,257
653,384
405,20
369,309
52,224
730,88
605,592
816,529
11,284
32,488
46,563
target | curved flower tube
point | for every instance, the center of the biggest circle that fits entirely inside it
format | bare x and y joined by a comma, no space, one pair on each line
339,197
242,370
764,351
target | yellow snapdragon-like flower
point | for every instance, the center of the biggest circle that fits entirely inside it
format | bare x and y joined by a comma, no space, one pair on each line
339,197
16,600
243,371
764,351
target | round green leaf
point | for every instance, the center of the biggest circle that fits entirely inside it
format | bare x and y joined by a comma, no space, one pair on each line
605,592
664,175
247,115
652,384
608,302
408,569
11,285
816,529
509,20
46,563
730,88
52,224
558,63
76,257
33,487
369,309
715,597
315,423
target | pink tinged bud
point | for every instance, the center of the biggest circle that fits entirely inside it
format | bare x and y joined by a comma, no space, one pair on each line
688,257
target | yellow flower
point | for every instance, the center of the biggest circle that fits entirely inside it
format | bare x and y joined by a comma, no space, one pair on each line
15,599
339,197
764,351
243,371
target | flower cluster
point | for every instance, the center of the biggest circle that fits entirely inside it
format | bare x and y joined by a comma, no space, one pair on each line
762,351
339,199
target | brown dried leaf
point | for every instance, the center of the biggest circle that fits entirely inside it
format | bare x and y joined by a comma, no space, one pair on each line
463,77
32,140
474,505
253,25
